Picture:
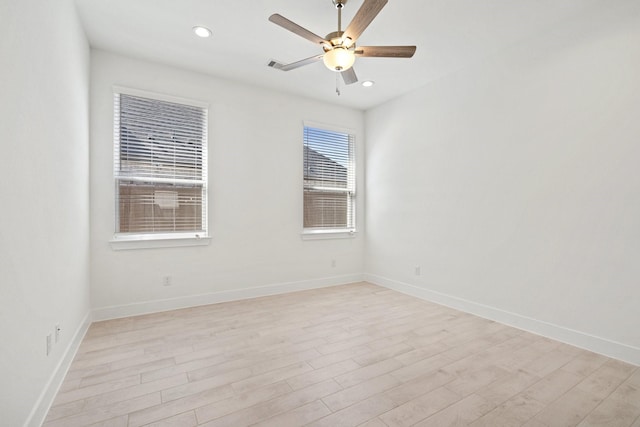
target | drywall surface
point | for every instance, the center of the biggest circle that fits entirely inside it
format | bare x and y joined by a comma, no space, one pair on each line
514,184
255,197
44,186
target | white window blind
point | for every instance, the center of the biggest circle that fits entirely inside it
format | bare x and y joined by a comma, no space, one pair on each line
160,167
329,180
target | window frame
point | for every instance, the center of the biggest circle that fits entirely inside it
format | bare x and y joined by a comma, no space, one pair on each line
350,231
142,240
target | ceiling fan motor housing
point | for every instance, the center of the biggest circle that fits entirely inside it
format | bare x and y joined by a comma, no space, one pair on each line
336,40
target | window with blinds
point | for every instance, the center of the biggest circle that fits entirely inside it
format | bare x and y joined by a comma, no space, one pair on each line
329,180
160,167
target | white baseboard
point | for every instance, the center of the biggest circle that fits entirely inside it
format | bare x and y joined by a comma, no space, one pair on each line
41,408
579,339
135,309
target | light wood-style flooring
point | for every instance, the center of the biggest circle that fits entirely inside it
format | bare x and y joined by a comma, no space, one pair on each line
353,355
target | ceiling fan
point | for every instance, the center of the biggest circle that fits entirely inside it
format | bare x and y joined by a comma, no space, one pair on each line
339,47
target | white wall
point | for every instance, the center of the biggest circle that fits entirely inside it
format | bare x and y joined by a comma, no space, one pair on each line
44,192
515,185
255,191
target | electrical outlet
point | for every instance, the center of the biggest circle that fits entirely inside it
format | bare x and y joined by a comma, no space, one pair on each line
333,263
418,272
48,344
167,281
58,331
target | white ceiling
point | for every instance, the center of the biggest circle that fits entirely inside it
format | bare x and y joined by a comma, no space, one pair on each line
449,34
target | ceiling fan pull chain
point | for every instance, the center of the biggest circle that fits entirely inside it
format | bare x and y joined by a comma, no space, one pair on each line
337,88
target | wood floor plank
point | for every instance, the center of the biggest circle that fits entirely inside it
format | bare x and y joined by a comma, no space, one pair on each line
508,386
261,411
376,422
356,393
351,355
569,409
419,408
121,421
96,389
193,387
358,413
322,374
516,411
551,387
462,412
107,398
418,386
300,416
270,377
360,375
186,419
102,413
236,402
164,410
612,412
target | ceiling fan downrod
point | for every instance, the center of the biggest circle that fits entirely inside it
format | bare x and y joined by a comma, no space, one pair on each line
339,4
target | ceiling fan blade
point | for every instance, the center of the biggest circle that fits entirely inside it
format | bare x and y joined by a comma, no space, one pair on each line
349,76
367,12
385,51
296,29
294,65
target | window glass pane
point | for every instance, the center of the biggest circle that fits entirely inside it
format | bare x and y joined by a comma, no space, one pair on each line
160,166
329,179
325,209
160,139
159,208
321,169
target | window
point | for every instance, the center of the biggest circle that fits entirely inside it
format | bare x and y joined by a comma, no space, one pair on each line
329,181
160,168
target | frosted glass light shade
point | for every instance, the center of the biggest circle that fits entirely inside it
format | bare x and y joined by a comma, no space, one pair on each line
339,59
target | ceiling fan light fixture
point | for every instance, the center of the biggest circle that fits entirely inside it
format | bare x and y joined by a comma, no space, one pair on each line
339,59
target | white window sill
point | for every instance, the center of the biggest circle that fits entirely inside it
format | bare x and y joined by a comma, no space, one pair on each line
328,234
148,241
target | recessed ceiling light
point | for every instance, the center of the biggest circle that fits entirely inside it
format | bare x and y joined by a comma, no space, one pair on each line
368,83
202,31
